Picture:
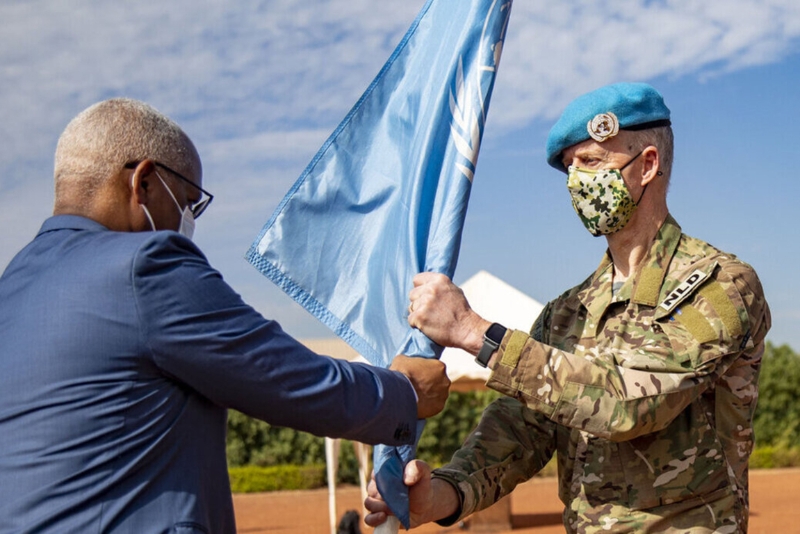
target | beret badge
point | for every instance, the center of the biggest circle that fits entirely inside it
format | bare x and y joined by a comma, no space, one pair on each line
603,126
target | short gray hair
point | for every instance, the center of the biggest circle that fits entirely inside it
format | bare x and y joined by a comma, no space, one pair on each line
662,138
100,140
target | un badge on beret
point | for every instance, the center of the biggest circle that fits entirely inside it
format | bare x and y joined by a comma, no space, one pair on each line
603,126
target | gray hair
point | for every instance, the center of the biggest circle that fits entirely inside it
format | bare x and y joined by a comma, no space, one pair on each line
661,138
98,142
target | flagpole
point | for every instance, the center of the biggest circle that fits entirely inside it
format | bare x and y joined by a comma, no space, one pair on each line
391,526
397,170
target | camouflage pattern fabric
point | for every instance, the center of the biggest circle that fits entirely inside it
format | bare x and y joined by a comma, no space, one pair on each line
646,395
601,199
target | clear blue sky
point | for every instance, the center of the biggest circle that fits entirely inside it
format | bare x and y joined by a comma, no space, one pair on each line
260,85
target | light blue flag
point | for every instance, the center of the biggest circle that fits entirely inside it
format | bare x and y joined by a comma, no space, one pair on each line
386,195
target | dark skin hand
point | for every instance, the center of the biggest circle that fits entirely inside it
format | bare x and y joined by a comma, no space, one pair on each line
429,378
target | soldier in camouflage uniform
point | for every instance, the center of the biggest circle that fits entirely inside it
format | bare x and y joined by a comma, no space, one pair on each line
643,378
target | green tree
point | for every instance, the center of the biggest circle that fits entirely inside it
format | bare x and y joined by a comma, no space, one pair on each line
254,442
445,432
777,418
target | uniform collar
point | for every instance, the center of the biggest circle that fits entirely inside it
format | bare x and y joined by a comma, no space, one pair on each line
651,273
645,286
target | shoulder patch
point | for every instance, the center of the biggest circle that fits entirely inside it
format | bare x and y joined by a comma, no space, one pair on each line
696,323
715,294
684,290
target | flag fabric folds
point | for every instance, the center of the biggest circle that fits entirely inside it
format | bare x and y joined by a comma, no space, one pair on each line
386,195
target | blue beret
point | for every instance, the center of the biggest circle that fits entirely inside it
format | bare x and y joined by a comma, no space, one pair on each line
601,113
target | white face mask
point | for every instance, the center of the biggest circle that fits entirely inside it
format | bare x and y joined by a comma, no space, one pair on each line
187,217
186,227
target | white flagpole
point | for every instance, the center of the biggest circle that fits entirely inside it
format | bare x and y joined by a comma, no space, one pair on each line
332,458
391,526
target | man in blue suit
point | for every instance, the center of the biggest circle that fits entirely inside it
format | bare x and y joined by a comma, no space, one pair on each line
121,350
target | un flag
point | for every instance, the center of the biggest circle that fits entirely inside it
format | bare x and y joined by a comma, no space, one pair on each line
386,195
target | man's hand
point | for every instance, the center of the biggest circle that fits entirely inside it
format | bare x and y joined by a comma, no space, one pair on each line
428,499
430,381
440,310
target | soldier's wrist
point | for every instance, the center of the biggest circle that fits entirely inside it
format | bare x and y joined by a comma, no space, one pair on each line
449,500
474,340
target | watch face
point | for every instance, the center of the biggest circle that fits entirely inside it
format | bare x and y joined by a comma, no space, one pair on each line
496,333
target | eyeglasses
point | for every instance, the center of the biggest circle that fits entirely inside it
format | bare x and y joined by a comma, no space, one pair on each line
197,208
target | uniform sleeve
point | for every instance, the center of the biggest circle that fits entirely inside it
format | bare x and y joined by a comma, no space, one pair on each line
720,325
200,333
510,445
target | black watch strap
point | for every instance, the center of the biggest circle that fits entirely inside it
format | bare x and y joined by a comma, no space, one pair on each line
491,341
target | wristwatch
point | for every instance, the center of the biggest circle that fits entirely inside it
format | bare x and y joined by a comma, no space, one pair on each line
491,340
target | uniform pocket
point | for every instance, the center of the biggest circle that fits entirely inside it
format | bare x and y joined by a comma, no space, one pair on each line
682,462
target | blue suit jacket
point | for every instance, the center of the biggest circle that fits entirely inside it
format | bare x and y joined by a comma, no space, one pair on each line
119,354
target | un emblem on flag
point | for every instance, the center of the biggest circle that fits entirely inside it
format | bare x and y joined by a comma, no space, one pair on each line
470,93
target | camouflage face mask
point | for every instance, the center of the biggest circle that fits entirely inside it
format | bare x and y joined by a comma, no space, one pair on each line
600,198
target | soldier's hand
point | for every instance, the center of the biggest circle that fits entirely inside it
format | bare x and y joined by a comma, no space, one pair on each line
428,499
440,310
429,378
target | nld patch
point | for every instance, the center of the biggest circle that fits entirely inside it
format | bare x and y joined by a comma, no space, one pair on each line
684,290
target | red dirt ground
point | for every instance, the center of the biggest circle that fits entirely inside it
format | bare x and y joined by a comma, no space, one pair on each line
535,508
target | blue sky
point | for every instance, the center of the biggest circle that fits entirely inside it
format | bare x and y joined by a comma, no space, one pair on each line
259,85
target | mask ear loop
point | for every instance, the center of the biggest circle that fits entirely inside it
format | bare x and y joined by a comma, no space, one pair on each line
645,185
187,217
149,217
146,211
631,161
658,173
175,200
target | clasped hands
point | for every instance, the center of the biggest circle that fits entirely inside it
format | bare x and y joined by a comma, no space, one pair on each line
439,309
429,499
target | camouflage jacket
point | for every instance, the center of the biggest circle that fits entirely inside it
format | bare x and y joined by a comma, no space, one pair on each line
647,395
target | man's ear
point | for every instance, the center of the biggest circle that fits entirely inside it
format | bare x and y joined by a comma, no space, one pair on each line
141,180
651,165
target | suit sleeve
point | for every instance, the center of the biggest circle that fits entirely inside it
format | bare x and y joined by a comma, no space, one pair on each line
200,333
